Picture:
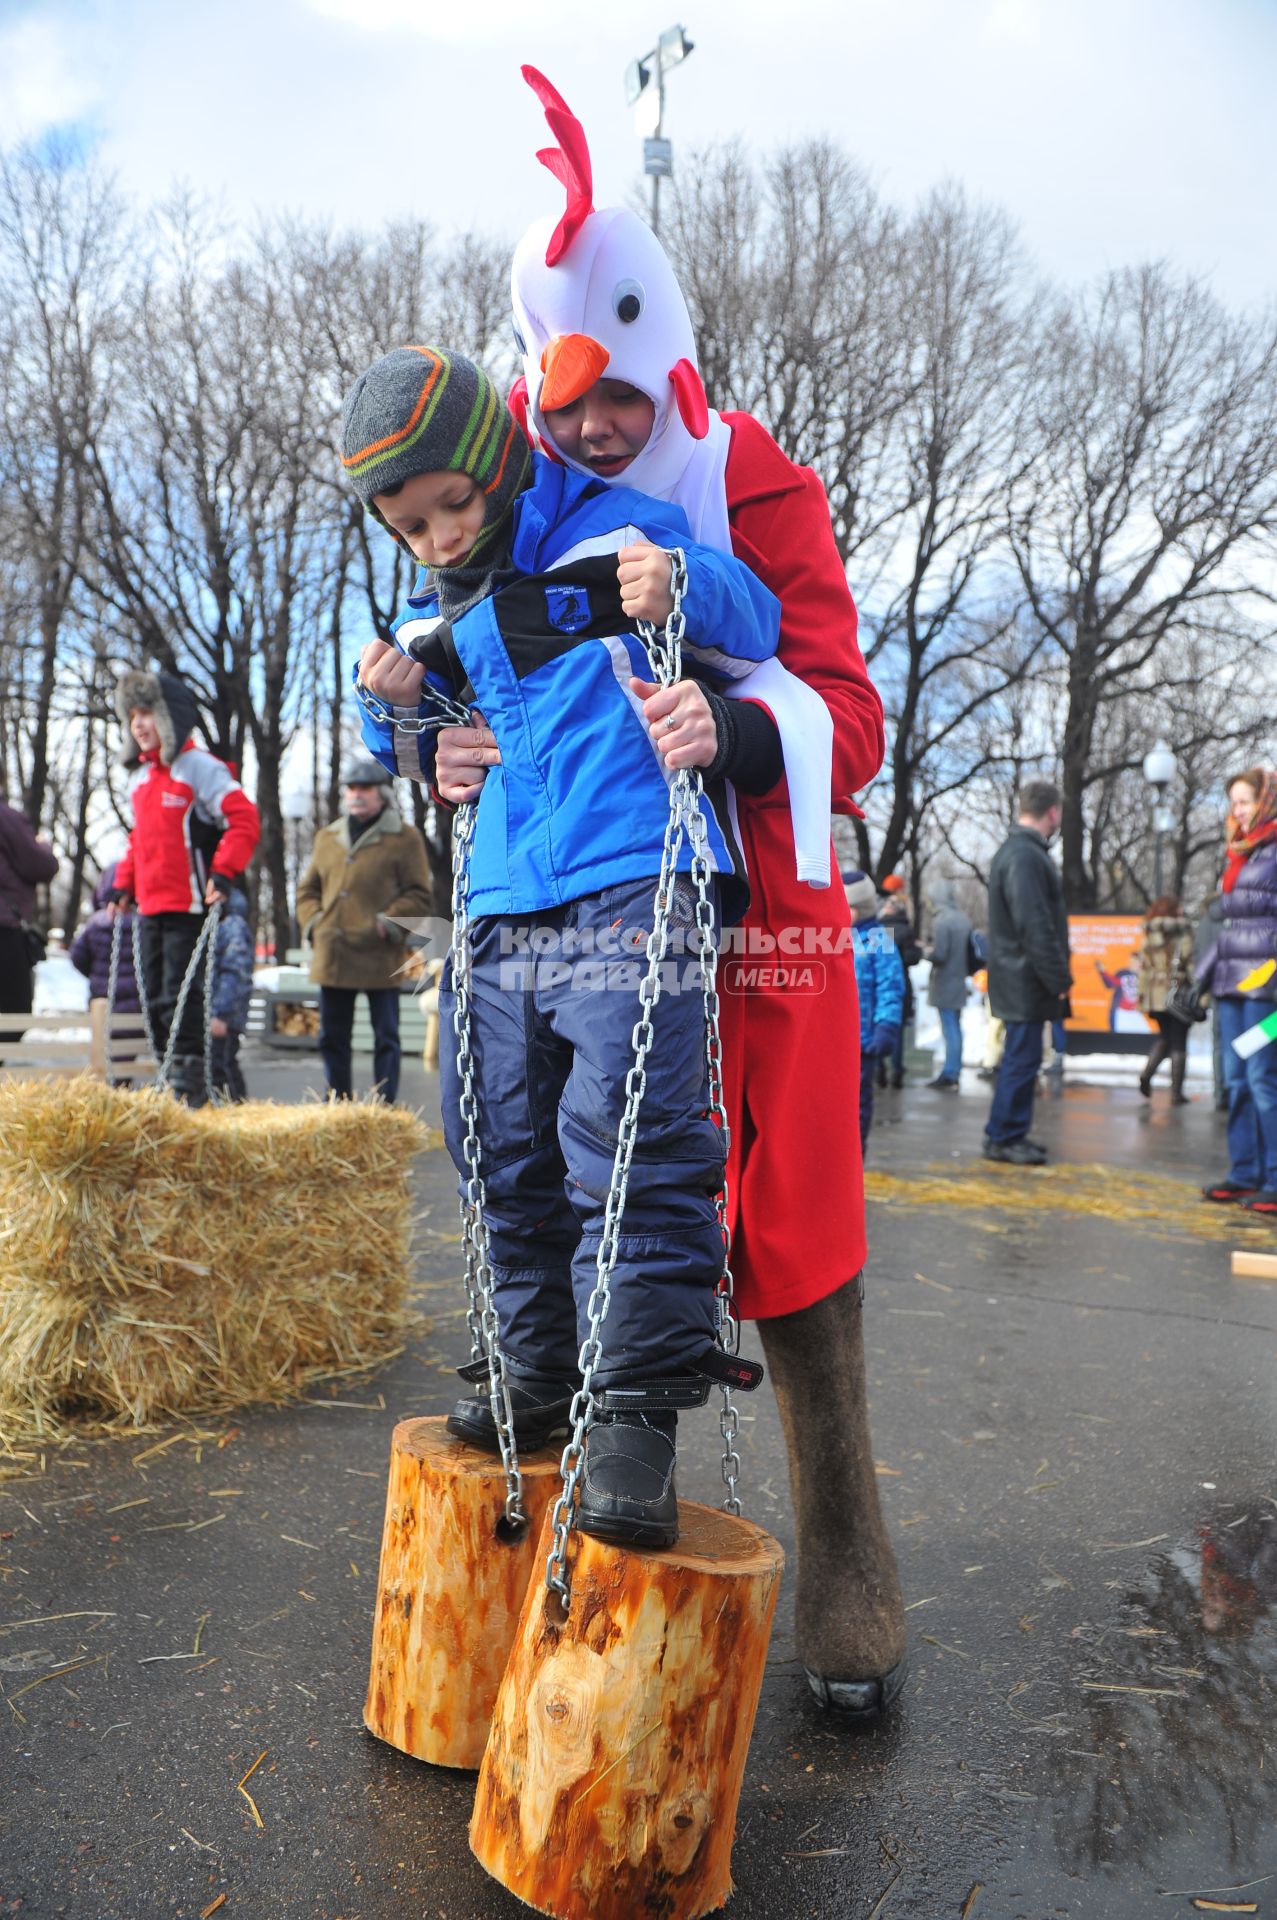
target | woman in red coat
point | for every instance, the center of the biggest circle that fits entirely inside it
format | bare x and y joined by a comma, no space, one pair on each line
612,388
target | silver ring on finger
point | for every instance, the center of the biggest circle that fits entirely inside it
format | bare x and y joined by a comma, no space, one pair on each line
670,722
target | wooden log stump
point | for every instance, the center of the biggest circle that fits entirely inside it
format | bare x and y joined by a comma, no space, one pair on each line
449,1591
610,1785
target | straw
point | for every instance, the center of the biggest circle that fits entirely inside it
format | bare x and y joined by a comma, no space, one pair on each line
156,1261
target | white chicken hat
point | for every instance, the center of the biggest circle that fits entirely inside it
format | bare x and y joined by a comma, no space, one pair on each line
594,294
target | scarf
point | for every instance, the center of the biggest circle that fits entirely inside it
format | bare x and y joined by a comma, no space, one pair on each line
1261,829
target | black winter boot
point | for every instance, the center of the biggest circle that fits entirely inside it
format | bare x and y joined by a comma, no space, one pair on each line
1156,1054
850,1616
627,1490
539,1403
1179,1067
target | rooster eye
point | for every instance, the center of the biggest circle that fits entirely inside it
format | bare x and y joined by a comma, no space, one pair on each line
627,300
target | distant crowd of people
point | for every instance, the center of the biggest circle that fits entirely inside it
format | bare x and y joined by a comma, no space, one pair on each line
195,831
1224,968
144,949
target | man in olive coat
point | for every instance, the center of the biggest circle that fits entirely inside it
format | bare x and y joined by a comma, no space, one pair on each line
368,871
1029,976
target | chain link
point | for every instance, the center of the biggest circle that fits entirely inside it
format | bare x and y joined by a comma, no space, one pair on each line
583,1408
481,1315
685,820
707,947
203,946
441,711
112,982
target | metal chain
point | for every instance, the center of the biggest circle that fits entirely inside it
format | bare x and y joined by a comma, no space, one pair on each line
685,817
481,1314
213,1094
436,710
143,1003
164,1066
440,710
583,1407
117,935
728,1325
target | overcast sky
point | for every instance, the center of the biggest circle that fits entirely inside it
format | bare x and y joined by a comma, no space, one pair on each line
1112,130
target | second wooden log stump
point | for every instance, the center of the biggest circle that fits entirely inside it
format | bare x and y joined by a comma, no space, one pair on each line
611,1780
449,1591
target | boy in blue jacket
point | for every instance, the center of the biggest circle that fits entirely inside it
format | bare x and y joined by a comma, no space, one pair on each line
880,987
533,580
234,952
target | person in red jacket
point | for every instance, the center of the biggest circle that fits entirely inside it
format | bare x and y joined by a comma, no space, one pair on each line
611,386
194,832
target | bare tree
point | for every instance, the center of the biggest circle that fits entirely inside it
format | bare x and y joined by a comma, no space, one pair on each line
1144,497
943,635
63,244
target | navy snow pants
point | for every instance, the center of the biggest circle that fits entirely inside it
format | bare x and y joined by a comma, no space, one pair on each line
554,1002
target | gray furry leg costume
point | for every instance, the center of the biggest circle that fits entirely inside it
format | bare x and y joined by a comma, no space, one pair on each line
850,1615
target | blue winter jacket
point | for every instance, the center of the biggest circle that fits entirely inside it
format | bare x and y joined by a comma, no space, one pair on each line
233,956
580,800
880,980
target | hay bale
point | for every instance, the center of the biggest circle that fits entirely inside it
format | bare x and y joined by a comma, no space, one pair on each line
156,1261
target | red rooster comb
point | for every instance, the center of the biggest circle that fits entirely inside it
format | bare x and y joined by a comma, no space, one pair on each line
569,162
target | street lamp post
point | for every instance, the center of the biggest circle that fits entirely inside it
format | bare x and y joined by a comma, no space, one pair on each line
1159,771
295,807
645,92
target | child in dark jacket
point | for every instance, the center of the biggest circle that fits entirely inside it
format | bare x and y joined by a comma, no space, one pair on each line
880,987
518,614
90,952
233,956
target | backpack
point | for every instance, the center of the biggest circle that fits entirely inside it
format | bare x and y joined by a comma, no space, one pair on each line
977,950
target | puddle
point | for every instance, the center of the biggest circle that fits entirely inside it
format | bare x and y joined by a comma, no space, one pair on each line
1164,1764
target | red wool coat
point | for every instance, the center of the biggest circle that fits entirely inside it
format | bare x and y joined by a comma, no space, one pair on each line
791,1036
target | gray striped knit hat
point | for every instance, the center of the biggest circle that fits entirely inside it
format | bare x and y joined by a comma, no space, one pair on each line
421,410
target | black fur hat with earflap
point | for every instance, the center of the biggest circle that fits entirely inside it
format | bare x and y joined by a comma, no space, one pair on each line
171,702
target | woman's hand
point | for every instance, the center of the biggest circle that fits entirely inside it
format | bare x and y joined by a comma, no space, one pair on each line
644,574
391,675
680,722
462,758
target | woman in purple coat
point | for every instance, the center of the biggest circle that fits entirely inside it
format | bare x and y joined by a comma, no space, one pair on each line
1239,968
90,954
25,864
91,949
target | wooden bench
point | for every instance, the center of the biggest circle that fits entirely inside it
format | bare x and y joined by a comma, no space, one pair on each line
36,1045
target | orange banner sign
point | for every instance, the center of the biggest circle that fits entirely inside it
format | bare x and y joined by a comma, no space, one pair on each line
1105,952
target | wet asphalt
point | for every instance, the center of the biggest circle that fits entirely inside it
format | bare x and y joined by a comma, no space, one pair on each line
1074,1421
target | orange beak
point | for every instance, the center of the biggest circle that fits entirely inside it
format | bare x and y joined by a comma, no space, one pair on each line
571,364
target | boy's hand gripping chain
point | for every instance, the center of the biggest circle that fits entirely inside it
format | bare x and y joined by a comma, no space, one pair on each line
665,653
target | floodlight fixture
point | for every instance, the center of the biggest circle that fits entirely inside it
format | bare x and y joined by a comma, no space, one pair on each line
645,92
637,75
672,47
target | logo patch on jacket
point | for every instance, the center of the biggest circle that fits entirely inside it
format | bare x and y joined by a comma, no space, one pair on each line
567,608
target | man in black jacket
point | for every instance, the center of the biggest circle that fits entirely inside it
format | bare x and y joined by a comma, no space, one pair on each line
1029,975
